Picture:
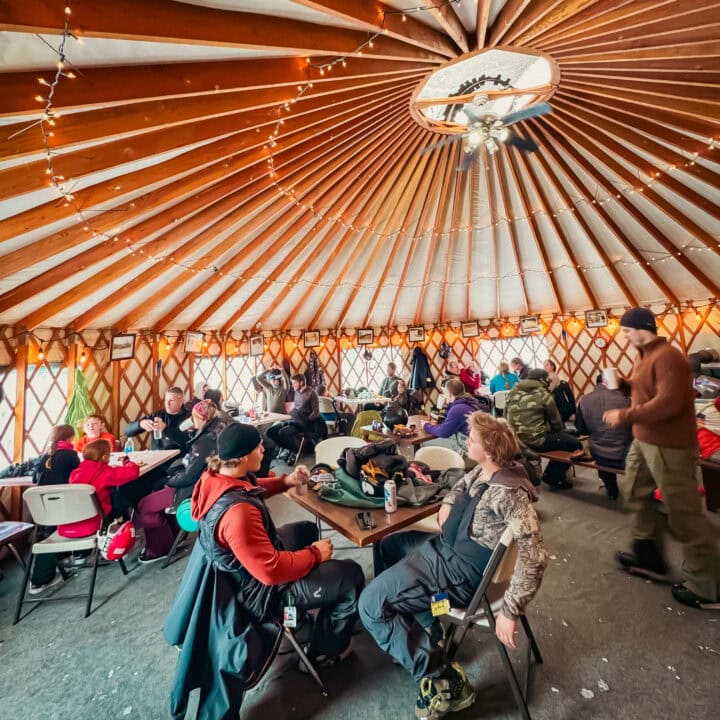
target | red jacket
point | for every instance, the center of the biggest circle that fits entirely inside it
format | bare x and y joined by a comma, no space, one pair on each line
471,380
103,478
241,530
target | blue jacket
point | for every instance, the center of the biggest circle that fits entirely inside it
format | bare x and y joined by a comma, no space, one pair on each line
498,382
455,417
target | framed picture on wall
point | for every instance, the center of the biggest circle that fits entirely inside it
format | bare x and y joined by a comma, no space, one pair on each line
529,324
194,342
122,347
311,338
365,336
416,334
470,329
596,318
257,345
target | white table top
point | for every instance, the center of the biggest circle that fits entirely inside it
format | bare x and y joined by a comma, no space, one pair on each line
380,400
266,418
147,459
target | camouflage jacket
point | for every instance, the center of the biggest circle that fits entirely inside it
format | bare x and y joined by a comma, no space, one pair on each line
531,412
502,506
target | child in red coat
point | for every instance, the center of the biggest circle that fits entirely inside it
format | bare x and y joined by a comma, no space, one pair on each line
95,470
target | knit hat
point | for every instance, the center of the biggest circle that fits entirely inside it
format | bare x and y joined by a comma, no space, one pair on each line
537,374
237,440
639,319
205,410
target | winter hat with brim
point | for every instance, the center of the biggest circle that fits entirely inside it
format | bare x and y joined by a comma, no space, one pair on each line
237,440
639,319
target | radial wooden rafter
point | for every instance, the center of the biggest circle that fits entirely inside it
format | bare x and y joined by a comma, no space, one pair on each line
171,158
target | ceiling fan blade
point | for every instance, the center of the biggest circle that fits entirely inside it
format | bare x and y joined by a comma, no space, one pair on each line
470,114
534,111
467,160
522,143
441,143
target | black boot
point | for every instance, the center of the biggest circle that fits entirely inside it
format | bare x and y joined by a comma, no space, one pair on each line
645,559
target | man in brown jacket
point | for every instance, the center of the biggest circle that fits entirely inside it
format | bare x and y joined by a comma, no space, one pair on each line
663,455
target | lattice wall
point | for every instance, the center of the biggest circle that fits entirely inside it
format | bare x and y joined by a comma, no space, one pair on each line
123,391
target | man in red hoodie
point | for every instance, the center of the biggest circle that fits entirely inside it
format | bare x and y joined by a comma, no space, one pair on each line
275,568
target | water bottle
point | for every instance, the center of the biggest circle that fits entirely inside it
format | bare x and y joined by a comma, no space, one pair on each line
129,446
390,496
157,433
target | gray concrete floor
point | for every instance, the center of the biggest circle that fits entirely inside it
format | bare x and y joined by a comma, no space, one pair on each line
597,628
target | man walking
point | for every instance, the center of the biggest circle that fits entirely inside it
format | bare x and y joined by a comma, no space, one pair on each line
663,455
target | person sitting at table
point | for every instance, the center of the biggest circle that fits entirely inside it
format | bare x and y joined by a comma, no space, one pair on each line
452,371
274,388
95,470
453,431
518,366
94,427
215,397
305,419
242,573
533,415
408,400
413,566
472,378
608,445
151,510
167,421
52,468
388,386
504,380
199,394
561,391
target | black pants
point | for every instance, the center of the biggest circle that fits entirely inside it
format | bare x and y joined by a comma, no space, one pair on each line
286,435
333,587
395,606
609,479
556,471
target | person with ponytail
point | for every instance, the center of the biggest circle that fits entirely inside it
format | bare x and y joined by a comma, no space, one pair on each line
504,380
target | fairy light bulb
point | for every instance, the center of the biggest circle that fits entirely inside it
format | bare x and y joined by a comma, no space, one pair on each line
41,353
83,358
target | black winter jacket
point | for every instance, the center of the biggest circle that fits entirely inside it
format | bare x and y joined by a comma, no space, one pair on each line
421,376
609,444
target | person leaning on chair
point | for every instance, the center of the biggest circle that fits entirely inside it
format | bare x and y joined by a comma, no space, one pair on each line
395,606
241,574
663,455
533,415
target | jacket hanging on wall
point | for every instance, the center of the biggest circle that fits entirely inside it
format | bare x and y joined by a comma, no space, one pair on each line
421,376
314,375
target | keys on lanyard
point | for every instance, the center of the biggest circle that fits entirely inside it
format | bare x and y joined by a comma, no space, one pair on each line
290,614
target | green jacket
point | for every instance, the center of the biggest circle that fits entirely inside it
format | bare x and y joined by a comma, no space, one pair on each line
532,412
389,386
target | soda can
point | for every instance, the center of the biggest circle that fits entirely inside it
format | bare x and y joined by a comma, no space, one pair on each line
390,496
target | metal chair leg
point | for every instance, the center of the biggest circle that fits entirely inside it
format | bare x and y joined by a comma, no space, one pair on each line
304,659
17,555
512,678
23,589
182,534
531,640
123,567
96,558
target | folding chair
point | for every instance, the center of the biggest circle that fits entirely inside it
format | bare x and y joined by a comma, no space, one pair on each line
328,451
499,400
481,611
51,505
187,525
329,413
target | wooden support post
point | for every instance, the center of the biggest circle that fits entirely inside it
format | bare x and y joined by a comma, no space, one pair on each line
116,404
223,352
21,358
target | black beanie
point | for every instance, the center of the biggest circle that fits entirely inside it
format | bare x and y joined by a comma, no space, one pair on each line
538,374
639,319
237,440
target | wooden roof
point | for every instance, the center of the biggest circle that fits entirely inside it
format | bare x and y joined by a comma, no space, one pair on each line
229,164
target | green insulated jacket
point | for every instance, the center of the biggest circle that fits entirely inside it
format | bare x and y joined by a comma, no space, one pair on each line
531,412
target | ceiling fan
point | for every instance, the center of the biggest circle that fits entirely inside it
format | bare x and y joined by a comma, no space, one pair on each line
488,130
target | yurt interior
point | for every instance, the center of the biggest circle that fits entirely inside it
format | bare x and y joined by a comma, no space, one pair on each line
359,359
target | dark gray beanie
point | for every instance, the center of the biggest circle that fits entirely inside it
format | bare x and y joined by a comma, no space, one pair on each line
639,319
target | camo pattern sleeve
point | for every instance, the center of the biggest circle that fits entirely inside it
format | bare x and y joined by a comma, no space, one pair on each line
461,486
501,507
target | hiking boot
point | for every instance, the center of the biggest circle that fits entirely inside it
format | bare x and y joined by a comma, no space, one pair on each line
49,585
688,597
448,693
645,559
436,631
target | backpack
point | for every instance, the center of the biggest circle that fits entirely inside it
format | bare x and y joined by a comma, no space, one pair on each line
116,540
384,453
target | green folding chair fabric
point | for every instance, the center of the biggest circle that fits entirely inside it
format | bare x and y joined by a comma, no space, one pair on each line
366,417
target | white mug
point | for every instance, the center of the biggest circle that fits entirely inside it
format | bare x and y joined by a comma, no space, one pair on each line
610,375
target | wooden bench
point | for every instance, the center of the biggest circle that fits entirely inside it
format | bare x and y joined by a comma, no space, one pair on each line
710,473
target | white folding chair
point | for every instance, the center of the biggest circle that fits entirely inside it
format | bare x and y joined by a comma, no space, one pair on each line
52,505
328,451
440,458
481,611
499,399
327,406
